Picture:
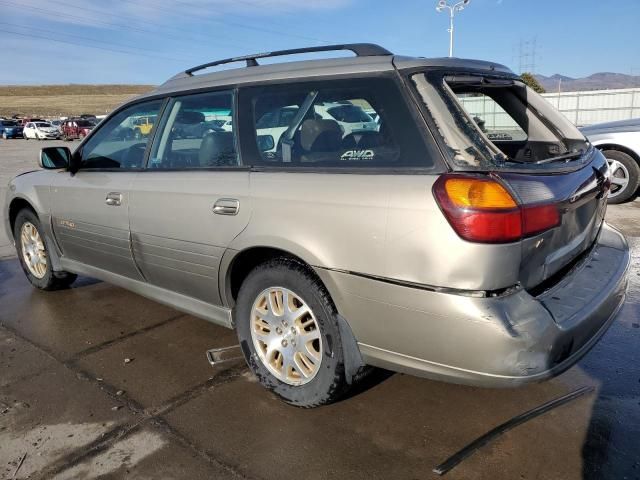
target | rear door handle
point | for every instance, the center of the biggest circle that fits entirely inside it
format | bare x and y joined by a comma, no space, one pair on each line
226,206
114,199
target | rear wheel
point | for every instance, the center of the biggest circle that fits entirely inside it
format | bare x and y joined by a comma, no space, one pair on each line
625,175
289,334
33,253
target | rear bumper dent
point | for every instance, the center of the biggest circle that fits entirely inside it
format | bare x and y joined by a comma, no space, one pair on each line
495,342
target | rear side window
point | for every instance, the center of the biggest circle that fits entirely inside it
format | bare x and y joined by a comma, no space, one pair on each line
196,133
326,125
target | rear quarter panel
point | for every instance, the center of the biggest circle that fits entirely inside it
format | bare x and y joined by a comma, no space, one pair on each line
383,225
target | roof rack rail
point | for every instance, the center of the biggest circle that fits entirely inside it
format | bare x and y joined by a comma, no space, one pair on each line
360,49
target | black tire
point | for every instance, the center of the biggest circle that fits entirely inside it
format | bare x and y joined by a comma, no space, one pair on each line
51,280
328,385
25,137
633,170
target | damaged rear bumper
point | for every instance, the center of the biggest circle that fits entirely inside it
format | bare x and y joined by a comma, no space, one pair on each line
501,341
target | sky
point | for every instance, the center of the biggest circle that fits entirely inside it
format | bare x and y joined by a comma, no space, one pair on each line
147,41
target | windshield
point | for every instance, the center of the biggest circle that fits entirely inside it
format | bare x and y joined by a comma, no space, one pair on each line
42,125
84,123
349,114
491,121
9,124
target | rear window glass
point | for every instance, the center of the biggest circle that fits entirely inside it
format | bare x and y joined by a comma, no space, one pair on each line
492,121
9,124
325,125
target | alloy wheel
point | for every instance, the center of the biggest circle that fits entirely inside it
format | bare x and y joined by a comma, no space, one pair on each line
286,335
34,253
619,177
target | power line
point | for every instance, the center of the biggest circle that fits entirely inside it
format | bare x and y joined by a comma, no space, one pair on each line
226,22
55,14
257,5
181,30
52,39
31,28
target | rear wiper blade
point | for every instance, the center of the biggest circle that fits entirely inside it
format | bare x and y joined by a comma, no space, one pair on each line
564,156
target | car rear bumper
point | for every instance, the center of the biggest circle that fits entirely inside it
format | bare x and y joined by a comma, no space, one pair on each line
500,341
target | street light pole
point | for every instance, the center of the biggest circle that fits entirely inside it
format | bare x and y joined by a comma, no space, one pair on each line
457,7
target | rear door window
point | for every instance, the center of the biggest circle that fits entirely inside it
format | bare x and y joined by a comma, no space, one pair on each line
326,125
193,136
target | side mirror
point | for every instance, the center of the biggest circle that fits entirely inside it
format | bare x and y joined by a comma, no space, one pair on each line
266,143
53,158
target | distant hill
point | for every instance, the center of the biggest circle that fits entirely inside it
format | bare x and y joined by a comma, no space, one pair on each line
65,100
597,81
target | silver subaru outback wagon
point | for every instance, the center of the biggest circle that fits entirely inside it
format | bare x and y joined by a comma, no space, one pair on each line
428,216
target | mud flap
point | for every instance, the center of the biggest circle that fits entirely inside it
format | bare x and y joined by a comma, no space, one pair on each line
353,362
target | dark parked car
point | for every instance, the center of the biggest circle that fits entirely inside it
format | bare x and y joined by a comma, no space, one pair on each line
10,129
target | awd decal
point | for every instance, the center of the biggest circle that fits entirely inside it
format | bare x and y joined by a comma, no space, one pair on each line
357,155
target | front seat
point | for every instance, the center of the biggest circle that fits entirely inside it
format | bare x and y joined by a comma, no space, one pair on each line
217,149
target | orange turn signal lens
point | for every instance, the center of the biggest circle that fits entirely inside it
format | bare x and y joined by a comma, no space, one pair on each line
478,193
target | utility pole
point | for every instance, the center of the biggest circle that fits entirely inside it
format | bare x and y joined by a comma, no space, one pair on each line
453,9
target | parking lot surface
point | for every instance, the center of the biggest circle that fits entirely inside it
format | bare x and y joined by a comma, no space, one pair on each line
97,382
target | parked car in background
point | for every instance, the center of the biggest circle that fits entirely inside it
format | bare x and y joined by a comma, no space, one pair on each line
421,246
23,121
76,128
620,143
40,131
351,118
58,124
10,129
142,126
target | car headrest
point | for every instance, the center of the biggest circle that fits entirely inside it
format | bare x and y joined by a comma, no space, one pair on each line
190,118
320,135
216,149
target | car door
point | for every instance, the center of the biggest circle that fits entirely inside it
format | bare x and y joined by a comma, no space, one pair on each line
90,208
191,200
28,130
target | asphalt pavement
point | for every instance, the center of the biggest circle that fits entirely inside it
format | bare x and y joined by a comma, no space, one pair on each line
97,382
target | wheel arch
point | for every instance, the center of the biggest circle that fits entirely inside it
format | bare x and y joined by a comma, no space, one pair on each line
620,148
236,265
16,205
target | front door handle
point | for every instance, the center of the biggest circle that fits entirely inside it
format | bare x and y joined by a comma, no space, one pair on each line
226,206
114,199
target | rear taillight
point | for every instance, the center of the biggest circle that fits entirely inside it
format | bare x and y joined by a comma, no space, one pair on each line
481,209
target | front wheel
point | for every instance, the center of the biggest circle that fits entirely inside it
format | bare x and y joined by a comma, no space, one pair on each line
288,331
625,176
33,253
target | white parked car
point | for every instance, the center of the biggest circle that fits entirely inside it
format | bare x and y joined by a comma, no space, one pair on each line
40,131
351,118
